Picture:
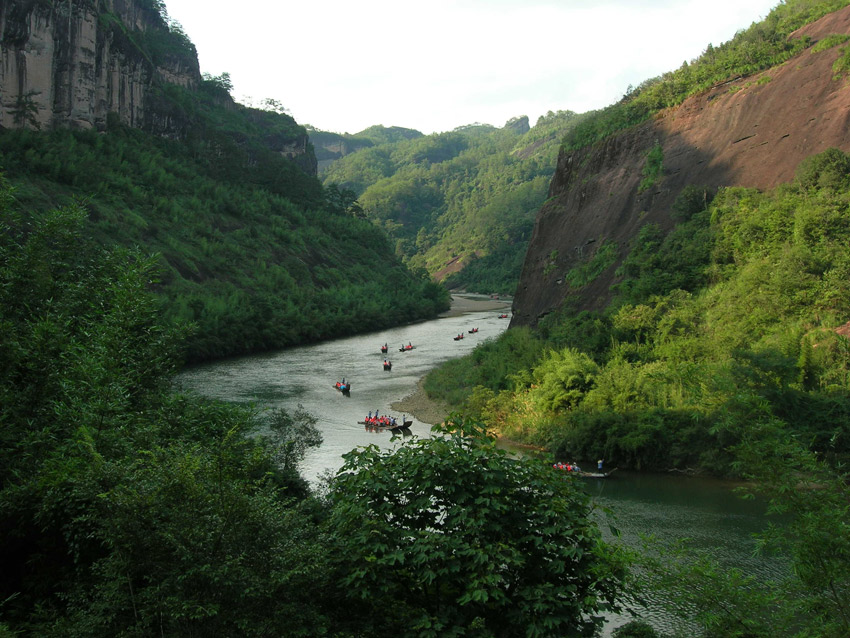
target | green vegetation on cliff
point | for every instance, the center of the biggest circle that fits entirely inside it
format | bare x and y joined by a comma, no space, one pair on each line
763,45
725,351
459,204
252,249
729,319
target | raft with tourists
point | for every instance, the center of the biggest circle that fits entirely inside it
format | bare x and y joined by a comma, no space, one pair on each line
573,469
389,423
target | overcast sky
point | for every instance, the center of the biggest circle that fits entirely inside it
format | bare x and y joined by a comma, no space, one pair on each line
345,65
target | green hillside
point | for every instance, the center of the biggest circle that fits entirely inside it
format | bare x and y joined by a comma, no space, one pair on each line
251,250
728,321
127,509
459,204
330,147
733,321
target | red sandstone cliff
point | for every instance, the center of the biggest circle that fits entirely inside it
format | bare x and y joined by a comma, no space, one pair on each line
749,132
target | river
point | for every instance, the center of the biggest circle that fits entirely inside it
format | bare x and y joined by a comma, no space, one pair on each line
305,376
669,507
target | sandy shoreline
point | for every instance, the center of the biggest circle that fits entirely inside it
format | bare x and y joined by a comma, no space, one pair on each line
422,407
461,304
418,403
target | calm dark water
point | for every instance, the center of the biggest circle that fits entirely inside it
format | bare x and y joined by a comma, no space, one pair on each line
706,512
668,507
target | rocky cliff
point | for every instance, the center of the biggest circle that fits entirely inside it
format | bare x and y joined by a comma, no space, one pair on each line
79,63
749,132
71,63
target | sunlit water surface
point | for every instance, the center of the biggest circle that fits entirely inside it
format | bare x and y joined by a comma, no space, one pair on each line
306,376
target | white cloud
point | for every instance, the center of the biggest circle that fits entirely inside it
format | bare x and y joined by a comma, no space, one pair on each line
433,66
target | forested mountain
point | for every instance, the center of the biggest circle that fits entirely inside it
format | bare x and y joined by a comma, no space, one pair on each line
460,204
671,286
252,251
684,306
330,147
745,113
719,343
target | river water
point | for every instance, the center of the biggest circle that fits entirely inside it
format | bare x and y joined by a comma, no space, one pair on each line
305,376
668,507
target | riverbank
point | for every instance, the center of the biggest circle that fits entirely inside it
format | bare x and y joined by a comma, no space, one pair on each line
464,303
422,407
419,404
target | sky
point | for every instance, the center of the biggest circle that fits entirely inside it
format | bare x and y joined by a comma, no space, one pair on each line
343,65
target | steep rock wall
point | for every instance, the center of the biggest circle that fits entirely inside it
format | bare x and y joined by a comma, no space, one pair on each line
76,63
71,63
749,132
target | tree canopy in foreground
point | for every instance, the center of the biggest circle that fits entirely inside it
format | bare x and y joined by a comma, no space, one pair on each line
469,541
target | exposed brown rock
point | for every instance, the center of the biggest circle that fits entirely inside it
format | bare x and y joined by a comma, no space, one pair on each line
749,132
844,330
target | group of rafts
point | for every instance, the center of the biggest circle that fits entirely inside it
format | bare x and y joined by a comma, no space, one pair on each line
385,422
573,468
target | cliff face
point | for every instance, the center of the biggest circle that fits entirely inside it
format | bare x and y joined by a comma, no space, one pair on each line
750,132
71,63
76,63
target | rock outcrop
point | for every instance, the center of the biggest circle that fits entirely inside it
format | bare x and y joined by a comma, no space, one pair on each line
72,63
750,132
83,63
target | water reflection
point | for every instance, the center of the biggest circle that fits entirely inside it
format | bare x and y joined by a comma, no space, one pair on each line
707,512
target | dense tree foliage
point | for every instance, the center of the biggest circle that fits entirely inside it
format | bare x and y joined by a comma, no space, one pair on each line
467,541
725,351
127,509
461,202
738,304
253,250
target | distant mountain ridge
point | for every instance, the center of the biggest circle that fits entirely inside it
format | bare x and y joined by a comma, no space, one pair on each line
330,147
459,204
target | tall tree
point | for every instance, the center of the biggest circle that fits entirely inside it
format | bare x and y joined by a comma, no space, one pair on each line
468,541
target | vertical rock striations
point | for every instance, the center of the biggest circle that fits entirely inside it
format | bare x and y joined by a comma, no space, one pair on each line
82,63
73,62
